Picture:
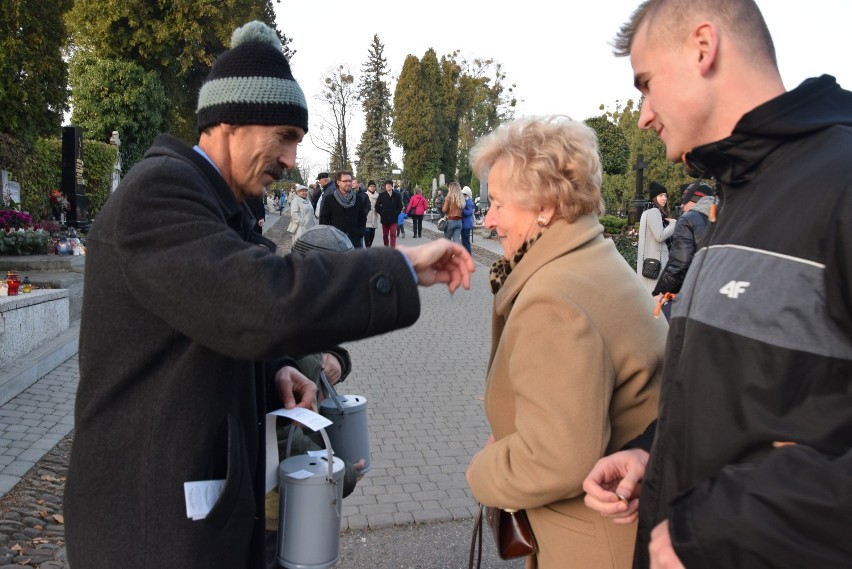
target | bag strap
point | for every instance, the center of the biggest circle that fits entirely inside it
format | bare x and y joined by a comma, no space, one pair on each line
476,541
331,391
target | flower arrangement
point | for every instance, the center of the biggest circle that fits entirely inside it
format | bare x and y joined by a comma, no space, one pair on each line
14,219
59,202
27,241
20,236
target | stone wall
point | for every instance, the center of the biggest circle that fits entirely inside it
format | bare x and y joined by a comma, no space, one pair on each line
28,320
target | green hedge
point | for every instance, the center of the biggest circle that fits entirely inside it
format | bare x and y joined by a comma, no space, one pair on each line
42,172
612,225
628,247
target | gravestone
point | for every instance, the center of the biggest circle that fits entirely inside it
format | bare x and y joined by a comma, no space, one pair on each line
116,168
638,200
11,189
73,185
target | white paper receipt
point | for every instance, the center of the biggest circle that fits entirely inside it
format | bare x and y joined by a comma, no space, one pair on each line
300,474
200,497
308,418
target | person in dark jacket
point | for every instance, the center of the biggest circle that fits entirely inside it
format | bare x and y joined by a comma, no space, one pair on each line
388,206
323,180
752,454
696,203
258,210
344,209
206,314
467,217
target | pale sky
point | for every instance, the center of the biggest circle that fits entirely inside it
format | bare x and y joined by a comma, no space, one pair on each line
556,53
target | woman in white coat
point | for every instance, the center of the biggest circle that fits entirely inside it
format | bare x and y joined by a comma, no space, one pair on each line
302,215
654,228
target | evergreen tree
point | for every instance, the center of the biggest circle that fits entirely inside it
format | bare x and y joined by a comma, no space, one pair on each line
449,112
620,188
177,40
113,95
415,123
33,75
374,155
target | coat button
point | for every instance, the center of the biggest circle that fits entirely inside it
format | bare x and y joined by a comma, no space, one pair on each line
383,285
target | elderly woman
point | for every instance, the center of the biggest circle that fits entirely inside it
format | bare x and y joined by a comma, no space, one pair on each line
301,213
576,352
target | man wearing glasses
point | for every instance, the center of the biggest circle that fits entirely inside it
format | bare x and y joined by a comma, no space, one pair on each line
345,209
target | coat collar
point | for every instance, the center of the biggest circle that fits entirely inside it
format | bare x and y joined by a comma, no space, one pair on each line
237,214
557,240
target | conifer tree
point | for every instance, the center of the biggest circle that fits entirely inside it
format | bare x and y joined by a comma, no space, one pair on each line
415,121
33,74
177,40
374,156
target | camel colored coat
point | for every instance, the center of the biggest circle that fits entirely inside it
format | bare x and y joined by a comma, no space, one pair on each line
573,375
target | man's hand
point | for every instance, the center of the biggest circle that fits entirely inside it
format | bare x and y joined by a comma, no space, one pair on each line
359,466
440,261
612,487
292,386
331,367
662,553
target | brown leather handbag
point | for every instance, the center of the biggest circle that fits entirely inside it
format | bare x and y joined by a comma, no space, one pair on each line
512,534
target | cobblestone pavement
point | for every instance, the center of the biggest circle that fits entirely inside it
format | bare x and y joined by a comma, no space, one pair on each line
423,385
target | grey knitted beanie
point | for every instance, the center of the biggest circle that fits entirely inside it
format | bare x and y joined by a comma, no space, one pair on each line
322,238
251,83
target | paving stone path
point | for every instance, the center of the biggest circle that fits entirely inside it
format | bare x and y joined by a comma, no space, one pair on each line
426,421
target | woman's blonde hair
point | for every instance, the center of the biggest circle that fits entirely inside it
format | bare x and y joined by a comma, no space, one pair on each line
552,160
454,194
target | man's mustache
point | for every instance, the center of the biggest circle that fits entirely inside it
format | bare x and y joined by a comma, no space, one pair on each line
276,172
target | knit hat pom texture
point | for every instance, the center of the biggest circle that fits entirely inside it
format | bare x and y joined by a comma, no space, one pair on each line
255,31
251,83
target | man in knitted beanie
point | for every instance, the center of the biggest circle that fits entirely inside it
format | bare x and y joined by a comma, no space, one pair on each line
188,318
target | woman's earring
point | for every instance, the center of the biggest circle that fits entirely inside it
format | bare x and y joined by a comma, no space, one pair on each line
541,221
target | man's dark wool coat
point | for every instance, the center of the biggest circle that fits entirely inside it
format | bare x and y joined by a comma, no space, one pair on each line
186,317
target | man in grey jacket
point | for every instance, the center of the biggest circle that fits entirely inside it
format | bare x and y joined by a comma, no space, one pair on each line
188,316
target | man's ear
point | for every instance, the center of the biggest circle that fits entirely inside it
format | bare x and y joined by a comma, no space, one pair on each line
704,40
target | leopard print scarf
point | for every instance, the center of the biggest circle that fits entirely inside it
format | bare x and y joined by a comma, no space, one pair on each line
502,268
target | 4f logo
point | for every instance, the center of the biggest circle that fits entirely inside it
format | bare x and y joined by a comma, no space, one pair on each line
734,289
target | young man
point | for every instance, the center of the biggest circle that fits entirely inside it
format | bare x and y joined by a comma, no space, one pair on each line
205,312
751,462
388,206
